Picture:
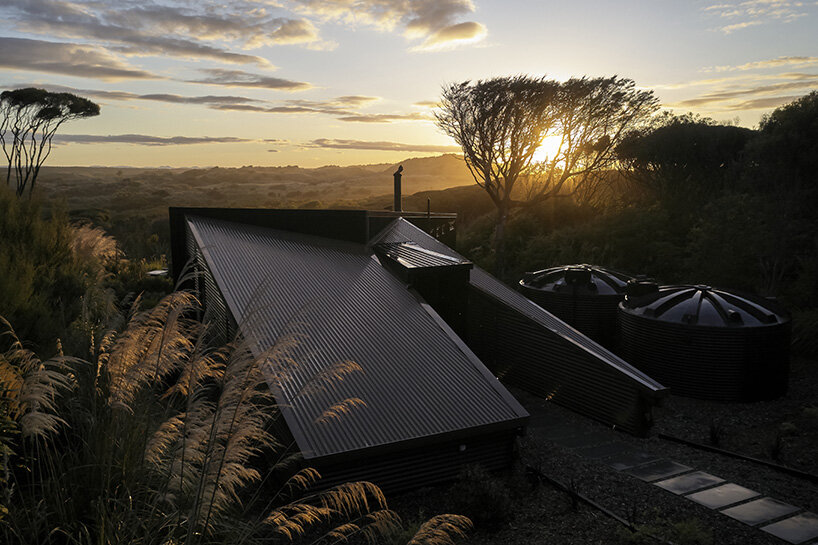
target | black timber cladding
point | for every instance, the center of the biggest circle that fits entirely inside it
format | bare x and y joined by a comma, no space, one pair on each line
530,348
330,301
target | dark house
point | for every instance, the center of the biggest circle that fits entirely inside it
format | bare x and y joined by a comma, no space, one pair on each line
377,289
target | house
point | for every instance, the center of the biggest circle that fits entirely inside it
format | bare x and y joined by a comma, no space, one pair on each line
427,331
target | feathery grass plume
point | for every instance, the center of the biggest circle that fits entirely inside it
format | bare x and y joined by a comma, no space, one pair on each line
338,410
29,387
371,527
442,530
92,243
359,506
154,344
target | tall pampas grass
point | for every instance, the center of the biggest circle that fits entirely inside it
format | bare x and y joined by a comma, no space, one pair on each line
160,439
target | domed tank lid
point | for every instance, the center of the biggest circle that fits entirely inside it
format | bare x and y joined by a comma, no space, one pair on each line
583,278
706,306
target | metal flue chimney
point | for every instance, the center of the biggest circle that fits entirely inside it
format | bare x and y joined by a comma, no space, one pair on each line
397,205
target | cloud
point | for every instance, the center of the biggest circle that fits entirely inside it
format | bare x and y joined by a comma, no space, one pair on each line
757,12
343,106
725,95
66,58
145,140
328,143
384,118
769,63
434,21
206,100
240,78
454,35
427,104
763,103
147,29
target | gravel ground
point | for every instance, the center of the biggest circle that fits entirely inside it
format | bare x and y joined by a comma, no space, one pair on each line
542,514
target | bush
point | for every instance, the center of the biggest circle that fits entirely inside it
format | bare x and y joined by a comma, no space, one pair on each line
484,498
41,277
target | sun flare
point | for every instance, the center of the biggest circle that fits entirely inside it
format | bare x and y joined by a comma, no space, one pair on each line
548,148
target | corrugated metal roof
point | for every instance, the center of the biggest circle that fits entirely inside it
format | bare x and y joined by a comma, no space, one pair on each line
401,230
338,304
413,256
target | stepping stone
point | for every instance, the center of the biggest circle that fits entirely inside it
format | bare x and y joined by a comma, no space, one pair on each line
797,529
721,496
758,511
689,482
659,469
629,459
579,441
603,451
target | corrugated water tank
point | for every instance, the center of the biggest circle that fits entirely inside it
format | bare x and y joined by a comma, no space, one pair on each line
585,297
708,343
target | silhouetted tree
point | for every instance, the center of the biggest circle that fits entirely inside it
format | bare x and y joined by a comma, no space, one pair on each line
682,158
500,123
29,119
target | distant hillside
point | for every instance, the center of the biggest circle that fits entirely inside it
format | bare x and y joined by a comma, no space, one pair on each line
148,192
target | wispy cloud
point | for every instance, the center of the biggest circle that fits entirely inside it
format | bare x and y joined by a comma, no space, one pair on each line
145,140
66,58
240,78
750,13
763,103
763,93
379,146
385,118
766,64
437,22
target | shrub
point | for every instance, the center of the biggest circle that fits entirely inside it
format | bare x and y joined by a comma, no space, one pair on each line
482,497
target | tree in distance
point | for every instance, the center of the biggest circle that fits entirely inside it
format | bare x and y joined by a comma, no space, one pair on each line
501,123
682,159
29,119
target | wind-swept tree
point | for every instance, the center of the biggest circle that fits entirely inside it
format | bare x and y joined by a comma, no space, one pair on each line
29,119
501,123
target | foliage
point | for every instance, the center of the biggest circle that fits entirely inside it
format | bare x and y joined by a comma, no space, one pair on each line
500,123
682,160
158,439
482,497
29,119
42,278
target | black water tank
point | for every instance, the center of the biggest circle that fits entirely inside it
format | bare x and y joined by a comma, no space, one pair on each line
708,343
584,296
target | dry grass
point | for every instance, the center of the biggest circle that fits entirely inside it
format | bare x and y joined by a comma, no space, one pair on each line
157,440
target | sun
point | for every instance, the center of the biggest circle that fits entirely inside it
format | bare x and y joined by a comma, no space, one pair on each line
548,148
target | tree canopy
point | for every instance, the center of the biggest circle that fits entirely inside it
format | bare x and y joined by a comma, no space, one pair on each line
29,119
501,123
682,157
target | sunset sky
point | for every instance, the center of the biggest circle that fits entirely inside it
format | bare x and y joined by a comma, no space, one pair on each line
311,82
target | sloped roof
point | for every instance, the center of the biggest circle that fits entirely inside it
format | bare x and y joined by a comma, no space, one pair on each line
401,230
335,302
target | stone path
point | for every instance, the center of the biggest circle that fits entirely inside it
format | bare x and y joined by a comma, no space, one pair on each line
787,522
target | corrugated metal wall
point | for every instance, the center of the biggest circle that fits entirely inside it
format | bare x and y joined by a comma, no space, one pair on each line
528,347
526,354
